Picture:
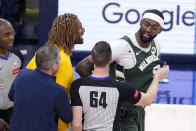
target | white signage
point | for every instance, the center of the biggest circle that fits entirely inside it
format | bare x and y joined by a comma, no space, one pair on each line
111,19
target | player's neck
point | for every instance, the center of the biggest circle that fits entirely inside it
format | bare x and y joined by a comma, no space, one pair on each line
100,72
3,52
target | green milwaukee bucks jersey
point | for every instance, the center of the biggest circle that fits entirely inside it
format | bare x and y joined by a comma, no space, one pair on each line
141,74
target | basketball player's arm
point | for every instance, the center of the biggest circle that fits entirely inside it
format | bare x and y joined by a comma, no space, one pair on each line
84,67
158,46
119,47
148,97
77,118
76,104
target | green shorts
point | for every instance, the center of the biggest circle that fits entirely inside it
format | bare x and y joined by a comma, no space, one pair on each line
133,118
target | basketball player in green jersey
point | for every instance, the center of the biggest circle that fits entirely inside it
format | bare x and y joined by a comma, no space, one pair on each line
138,54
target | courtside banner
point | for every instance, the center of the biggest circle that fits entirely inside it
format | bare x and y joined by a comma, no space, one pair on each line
111,19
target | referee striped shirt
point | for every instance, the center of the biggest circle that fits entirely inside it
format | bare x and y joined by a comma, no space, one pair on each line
9,68
100,99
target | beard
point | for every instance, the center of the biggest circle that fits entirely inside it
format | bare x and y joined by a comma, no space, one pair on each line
144,39
79,40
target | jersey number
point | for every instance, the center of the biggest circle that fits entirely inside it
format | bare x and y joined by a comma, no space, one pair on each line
95,101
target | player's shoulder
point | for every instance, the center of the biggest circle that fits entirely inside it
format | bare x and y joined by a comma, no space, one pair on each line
119,47
65,58
122,42
157,45
117,43
64,54
157,42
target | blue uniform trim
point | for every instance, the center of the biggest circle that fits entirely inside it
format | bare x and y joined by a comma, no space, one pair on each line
5,58
99,78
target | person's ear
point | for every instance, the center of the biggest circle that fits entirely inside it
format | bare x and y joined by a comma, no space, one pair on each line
90,59
141,23
53,67
111,60
161,30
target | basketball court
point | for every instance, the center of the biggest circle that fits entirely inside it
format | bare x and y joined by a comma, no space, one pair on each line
169,117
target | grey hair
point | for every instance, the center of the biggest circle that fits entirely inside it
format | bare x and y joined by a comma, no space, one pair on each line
4,22
46,56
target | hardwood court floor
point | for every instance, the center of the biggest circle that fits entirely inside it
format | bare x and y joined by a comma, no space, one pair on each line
164,117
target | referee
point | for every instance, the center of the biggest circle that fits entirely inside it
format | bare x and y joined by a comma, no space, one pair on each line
96,99
11,61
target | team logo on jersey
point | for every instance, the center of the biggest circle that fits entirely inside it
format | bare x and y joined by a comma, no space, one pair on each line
15,63
153,50
137,53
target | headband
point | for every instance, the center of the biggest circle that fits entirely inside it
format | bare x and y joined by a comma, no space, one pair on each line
154,17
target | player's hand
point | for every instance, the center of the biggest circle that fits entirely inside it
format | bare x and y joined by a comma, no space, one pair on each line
162,72
3,125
